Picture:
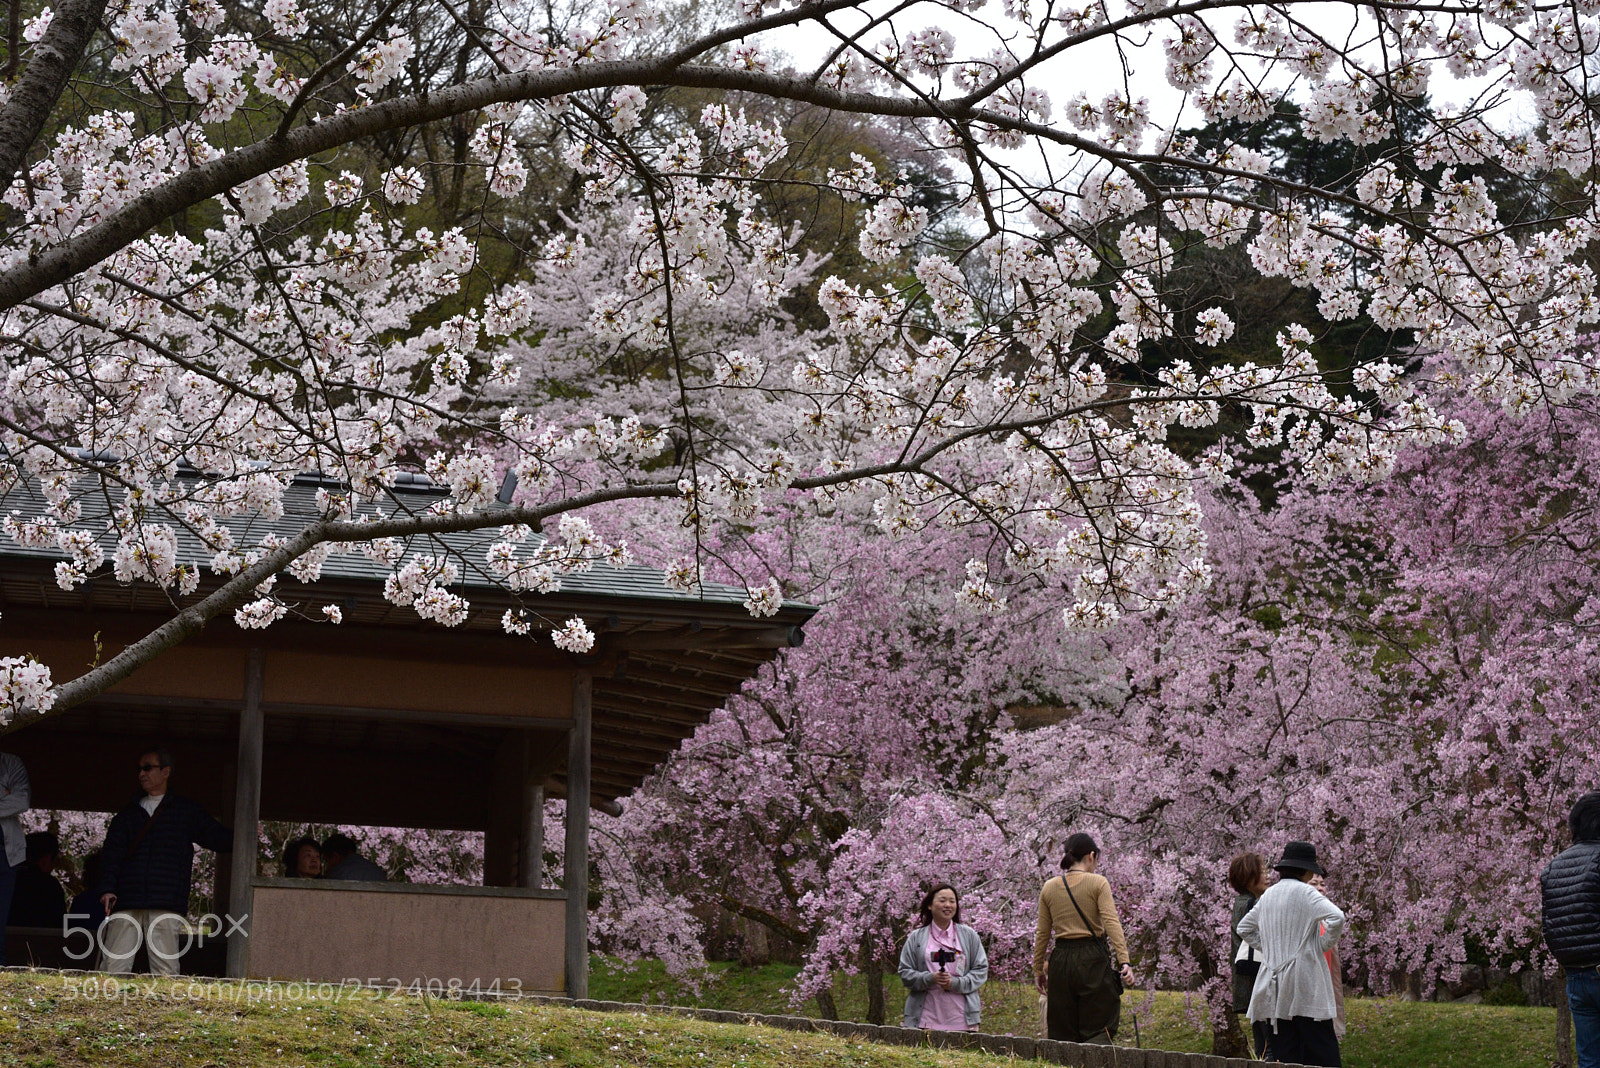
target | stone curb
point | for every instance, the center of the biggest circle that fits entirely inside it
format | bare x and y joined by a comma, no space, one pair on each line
1018,1047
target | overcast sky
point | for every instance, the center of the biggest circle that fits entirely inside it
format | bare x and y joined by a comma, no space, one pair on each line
1097,68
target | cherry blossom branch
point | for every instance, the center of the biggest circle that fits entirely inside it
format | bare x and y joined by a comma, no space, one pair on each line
57,264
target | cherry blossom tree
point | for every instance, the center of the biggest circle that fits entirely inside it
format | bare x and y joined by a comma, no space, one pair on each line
879,730
209,275
1402,673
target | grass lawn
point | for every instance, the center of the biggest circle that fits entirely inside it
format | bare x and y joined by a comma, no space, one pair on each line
1383,1032
47,1022
53,1021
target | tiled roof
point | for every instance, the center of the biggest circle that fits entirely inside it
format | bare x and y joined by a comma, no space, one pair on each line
468,549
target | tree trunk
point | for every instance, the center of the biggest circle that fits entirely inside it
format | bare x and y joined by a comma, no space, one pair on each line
755,945
1564,1055
872,969
825,1006
1228,1038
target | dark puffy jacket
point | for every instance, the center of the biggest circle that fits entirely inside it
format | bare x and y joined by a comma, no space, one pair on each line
1571,886
156,874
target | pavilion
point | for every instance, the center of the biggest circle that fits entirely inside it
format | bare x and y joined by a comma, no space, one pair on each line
388,720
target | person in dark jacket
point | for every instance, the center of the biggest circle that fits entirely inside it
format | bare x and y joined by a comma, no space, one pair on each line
1247,874
39,900
341,861
146,866
1571,889
86,913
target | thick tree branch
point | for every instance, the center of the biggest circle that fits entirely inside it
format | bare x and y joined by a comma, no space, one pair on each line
56,265
50,66
767,919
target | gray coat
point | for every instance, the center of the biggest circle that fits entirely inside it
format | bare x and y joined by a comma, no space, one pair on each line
913,973
15,799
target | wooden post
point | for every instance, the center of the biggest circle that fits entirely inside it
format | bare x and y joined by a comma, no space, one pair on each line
222,883
500,844
246,821
1565,1052
576,864
532,836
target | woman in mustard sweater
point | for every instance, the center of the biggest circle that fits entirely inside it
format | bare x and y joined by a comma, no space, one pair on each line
1082,981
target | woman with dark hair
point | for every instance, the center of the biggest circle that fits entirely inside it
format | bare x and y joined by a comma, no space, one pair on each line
943,964
302,859
1083,982
1247,874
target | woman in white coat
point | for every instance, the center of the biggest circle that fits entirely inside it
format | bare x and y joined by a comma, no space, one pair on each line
1292,926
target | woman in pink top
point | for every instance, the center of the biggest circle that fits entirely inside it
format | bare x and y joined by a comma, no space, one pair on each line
942,965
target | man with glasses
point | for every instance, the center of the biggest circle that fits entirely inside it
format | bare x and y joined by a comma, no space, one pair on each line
145,870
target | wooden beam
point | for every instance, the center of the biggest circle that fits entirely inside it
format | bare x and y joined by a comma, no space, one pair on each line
697,705
407,715
130,611
555,786
611,725
718,638
612,752
246,820
146,702
610,719
576,864
716,679
285,708
605,784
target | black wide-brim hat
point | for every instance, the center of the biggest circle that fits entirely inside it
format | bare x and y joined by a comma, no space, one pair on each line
1300,856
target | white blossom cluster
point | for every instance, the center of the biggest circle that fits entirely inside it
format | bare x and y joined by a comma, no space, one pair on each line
542,569
24,684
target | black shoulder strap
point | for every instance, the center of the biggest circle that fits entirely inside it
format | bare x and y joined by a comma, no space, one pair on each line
1087,925
144,830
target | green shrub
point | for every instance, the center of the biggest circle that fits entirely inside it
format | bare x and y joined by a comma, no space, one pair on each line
1509,992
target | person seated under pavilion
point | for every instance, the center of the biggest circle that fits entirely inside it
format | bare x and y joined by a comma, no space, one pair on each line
39,900
340,860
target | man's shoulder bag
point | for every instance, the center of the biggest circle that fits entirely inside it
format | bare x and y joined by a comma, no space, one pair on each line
144,829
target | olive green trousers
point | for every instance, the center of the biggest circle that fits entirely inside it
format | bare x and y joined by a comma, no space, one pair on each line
1084,1004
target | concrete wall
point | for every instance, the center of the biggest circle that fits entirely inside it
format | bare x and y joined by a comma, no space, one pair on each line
387,933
